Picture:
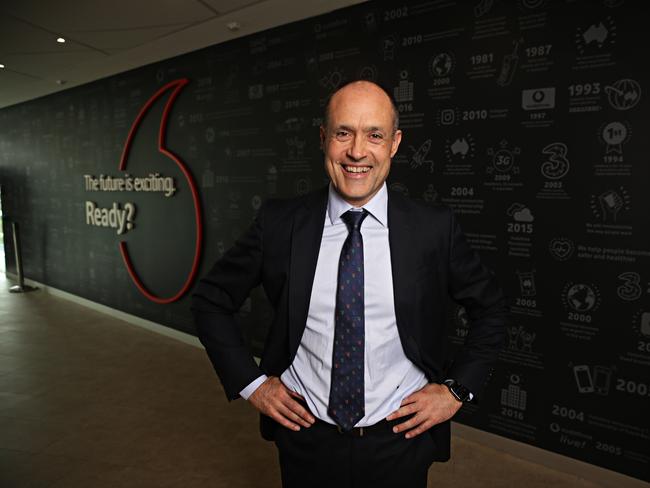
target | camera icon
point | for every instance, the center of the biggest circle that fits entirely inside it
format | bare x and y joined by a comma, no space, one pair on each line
448,116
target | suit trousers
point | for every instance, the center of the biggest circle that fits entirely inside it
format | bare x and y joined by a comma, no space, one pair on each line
321,456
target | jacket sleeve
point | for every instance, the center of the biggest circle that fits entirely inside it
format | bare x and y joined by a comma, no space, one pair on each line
474,287
216,299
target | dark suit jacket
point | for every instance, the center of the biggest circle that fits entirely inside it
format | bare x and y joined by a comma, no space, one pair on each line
431,261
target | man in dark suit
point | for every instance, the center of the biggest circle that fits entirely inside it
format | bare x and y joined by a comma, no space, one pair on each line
354,384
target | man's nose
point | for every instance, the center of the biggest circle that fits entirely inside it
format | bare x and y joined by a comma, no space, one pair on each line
357,148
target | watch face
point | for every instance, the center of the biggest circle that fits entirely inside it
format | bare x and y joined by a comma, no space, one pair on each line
462,393
459,391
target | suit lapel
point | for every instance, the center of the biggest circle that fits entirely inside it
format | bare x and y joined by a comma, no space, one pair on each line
306,235
403,261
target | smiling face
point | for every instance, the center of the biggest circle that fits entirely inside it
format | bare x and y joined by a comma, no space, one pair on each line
359,140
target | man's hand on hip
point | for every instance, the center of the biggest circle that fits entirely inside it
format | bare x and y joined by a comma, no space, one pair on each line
431,405
277,401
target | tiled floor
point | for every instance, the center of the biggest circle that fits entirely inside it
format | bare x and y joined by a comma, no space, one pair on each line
87,400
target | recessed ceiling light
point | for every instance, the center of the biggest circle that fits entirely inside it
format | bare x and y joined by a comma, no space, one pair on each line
2,65
60,40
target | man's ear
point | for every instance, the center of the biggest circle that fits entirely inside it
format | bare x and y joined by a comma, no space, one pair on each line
323,133
397,138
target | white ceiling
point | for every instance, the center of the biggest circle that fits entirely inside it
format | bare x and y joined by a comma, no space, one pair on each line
105,37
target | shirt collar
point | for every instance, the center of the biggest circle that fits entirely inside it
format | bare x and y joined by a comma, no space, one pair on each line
377,206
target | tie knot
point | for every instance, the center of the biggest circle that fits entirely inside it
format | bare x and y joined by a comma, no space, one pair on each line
353,218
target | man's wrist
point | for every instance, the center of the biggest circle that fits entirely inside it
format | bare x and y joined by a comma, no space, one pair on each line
458,391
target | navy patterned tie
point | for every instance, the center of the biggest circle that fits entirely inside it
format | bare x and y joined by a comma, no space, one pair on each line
347,403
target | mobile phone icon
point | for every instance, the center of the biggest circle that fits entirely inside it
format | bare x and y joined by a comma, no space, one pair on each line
602,378
645,324
583,378
508,67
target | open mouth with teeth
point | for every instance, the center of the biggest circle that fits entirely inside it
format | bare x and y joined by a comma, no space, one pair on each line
356,169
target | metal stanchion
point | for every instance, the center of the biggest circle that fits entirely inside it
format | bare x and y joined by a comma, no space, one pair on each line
21,287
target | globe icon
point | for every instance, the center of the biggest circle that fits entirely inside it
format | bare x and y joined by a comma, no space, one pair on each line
441,64
624,94
581,298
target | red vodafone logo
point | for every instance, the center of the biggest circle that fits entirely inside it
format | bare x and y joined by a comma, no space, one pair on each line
175,88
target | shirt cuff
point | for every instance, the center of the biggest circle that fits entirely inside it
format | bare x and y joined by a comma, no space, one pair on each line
252,386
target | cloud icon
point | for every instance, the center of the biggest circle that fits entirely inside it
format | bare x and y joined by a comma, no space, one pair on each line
520,213
523,215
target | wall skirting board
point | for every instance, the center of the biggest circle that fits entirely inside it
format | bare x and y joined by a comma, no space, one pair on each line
132,319
558,462
526,452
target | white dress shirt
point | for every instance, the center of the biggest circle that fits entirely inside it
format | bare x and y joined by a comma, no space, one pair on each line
389,376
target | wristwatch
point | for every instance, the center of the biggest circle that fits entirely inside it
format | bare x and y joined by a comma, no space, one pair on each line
461,393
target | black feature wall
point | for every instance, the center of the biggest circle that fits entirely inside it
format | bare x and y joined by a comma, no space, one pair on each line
528,117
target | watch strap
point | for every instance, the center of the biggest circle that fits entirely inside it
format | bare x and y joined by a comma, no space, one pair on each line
460,392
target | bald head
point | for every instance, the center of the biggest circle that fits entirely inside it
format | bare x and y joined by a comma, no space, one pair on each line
361,88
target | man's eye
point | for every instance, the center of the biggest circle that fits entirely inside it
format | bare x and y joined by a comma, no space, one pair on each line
375,136
342,133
